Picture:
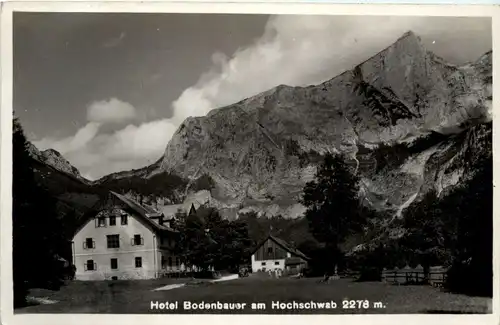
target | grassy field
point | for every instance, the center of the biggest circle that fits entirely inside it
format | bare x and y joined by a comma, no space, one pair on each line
136,296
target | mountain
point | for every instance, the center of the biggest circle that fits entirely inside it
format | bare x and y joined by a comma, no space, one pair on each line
54,159
408,120
405,117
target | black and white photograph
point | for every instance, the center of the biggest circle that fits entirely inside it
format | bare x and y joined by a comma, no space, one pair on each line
250,163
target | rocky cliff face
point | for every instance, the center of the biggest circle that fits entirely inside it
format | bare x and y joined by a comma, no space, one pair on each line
409,121
261,151
54,159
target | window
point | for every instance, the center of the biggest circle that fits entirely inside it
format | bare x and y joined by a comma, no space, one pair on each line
170,261
177,262
138,262
112,221
88,244
263,264
90,266
138,240
114,263
101,222
269,250
163,262
113,241
276,263
124,220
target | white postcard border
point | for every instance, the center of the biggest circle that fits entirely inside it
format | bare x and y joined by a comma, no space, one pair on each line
7,316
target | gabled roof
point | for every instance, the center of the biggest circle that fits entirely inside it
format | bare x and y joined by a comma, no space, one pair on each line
170,210
144,212
283,244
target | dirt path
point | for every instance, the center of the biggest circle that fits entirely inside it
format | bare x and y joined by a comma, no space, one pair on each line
180,285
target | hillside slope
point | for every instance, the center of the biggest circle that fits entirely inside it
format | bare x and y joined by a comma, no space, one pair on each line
408,120
261,151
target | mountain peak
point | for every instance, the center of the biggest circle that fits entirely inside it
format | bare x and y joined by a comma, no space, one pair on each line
51,151
408,43
54,159
409,33
262,150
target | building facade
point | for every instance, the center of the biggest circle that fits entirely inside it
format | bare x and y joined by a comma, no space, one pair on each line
121,239
275,254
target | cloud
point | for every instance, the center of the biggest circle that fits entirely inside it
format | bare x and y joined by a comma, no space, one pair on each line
73,143
304,50
98,154
293,50
110,111
146,141
114,41
98,114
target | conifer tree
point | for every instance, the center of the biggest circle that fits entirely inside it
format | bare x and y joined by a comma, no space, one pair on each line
333,209
37,232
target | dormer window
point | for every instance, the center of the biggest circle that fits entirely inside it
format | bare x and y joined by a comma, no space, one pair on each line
112,221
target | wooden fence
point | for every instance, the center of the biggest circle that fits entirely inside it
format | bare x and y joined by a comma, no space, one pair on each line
436,276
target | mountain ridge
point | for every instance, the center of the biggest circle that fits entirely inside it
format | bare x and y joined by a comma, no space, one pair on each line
260,151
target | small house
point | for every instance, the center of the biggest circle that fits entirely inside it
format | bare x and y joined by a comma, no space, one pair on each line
274,253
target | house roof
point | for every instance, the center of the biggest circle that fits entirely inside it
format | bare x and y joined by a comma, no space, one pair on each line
293,261
169,211
144,212
283,244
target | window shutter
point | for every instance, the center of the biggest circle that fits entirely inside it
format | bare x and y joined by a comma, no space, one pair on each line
95,266
85,266
93,244
84,245
96,220
132,241
142,240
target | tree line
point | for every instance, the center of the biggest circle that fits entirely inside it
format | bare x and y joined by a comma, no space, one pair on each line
455,229
37,232
452,229
206,240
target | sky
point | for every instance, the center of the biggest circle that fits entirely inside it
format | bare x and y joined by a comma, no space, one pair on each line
109,90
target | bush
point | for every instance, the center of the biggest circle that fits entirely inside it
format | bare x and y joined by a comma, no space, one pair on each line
370,274
470,279
204,275
310,272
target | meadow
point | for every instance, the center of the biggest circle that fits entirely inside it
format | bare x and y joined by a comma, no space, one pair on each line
351,297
